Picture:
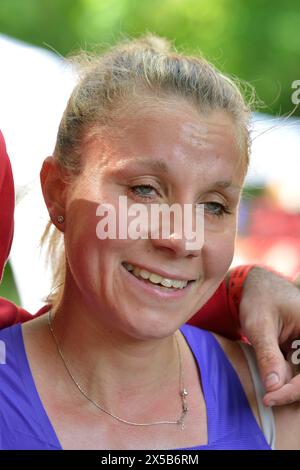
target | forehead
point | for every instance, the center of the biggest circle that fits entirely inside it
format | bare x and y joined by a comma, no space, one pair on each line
166,117
168,137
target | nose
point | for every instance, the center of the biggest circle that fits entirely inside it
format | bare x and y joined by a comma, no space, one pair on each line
179,231
177,245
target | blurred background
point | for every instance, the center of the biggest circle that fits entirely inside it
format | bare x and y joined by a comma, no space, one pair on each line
257,41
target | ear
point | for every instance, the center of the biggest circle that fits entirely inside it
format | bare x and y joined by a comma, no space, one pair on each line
54,191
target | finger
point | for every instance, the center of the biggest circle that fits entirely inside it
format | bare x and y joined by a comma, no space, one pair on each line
286,395
274,370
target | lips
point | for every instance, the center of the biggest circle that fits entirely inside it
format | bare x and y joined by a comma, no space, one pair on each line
155,278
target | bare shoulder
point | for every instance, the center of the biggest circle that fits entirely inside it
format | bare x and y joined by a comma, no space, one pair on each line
36,337
40,350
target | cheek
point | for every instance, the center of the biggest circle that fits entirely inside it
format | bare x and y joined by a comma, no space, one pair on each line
91,261
218,252
81,252
81,243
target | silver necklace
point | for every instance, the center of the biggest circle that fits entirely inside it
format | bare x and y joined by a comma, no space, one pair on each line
183,392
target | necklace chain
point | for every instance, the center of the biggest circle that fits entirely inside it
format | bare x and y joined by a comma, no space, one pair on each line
183,392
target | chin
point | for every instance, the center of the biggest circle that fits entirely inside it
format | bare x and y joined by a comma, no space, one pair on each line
147,327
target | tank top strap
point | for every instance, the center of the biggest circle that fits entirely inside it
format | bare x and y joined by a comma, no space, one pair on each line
266,414
229,416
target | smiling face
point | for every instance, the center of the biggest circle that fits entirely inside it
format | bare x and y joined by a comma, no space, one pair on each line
171,156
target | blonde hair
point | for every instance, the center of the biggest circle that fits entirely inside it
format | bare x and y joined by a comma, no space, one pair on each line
147,66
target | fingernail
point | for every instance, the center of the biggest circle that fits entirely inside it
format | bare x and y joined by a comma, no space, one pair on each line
272,403
271,379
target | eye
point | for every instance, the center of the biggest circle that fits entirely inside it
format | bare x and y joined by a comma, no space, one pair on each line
144,191
216,208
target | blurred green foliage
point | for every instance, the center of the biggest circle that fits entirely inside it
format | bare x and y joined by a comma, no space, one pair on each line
8,287
257,41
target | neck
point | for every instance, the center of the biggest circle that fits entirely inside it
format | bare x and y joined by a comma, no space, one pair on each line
113,368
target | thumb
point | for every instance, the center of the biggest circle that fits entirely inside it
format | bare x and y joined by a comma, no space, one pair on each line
274,370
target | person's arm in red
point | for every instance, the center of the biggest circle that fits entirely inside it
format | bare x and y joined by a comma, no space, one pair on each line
217,316
10,314
221,314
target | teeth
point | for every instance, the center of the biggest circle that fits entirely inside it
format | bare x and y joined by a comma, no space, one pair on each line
167,282
178,283
145,274
129,267
155,278
136,271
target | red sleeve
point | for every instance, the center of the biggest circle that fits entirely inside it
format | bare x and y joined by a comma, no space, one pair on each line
10,314
216,315
7,204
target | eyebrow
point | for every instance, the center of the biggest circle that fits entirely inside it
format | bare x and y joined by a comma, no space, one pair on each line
227,184
156,165
162,166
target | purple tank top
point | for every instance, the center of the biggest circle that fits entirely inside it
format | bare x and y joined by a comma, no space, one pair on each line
24,423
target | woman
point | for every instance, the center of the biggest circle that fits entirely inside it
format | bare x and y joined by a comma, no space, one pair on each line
220,314
114,364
